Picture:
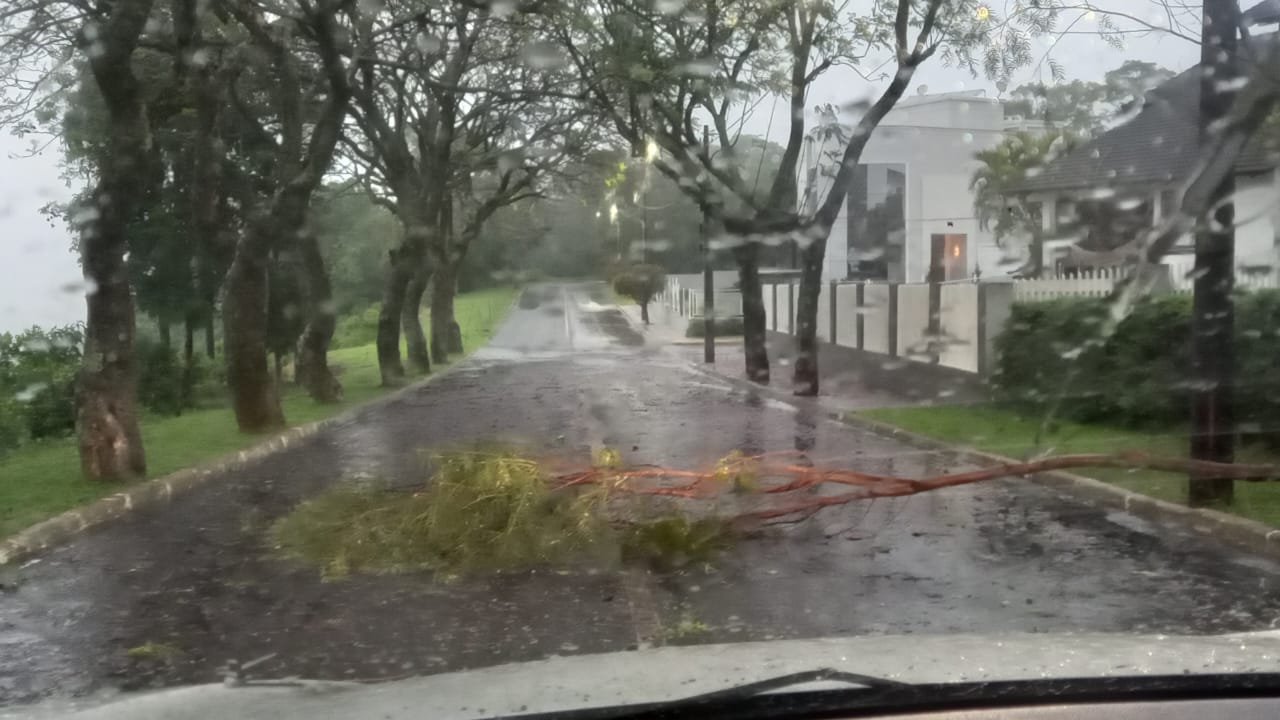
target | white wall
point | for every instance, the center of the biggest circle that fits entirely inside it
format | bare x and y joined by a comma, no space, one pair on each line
936,137
784,309
913,320
875,323
824,312
1257,203
959,323
847,312
769,290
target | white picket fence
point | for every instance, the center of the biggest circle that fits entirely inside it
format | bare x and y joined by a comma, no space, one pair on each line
1089,283
688,301
1100,282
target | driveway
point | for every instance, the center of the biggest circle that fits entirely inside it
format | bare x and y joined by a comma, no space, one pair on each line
172,594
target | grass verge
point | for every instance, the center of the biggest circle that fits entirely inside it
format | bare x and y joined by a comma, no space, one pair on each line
1004,432
43,479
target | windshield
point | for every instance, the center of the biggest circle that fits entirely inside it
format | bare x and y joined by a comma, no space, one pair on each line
364,340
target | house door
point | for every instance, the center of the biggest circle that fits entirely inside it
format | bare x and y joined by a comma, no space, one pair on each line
949,257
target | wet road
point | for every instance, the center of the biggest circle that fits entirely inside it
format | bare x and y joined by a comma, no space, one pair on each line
173,593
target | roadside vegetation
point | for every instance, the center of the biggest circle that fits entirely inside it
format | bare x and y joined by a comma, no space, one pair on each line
1004,431
1129,391
42,477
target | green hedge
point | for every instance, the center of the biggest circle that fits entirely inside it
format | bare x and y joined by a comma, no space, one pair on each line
1140,377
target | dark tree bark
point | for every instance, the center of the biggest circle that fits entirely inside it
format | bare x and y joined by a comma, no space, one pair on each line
445,333
254,395
414,339
166,336
188,360
1212,311
108,437
805,376
754,323
298,167
644,313
312,366
210,343
399,272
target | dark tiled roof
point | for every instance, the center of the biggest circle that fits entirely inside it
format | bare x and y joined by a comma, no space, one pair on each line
1157,147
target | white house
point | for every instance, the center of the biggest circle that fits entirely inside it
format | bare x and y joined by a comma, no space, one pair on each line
911,197
1132,172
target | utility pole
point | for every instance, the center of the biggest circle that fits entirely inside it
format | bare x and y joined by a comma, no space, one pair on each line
708,280
1212,311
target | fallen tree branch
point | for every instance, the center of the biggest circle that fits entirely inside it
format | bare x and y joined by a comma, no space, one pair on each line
766,476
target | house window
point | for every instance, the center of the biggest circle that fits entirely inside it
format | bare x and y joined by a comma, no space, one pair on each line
1067,213
877,221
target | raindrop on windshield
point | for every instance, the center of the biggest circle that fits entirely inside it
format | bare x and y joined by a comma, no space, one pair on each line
428,43
542,55
704,67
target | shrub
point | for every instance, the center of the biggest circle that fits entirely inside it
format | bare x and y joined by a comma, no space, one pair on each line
724,327
640,282
37,378
1140,376
359,327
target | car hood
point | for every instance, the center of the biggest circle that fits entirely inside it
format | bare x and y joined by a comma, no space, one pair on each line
668,673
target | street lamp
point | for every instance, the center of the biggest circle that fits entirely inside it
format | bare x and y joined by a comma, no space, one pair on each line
617,228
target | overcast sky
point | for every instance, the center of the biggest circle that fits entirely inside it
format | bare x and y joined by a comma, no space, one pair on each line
39,275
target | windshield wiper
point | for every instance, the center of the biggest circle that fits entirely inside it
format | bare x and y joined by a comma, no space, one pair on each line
690,706
756,700
759,687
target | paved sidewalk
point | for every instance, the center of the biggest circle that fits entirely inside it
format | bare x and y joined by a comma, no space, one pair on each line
850,380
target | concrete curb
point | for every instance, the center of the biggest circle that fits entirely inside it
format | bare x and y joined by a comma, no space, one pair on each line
1241,532
62,527
1248,534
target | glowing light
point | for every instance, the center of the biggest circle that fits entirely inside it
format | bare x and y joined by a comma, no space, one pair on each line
650,151
613,212
955,251
984,12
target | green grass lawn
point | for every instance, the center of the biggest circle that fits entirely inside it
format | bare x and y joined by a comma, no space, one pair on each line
43,479
1004,432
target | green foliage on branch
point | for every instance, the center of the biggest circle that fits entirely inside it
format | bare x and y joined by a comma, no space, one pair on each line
479,511
493,510
37,383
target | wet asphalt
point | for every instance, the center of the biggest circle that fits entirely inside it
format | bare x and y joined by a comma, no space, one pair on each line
173,594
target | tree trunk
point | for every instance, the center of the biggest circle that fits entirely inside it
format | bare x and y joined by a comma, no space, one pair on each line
166,337
1212,309
108,438
414,339
244,337
188,360
210,343
445,333
644,313
805,377
754,322
399,273
311,369
406,261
